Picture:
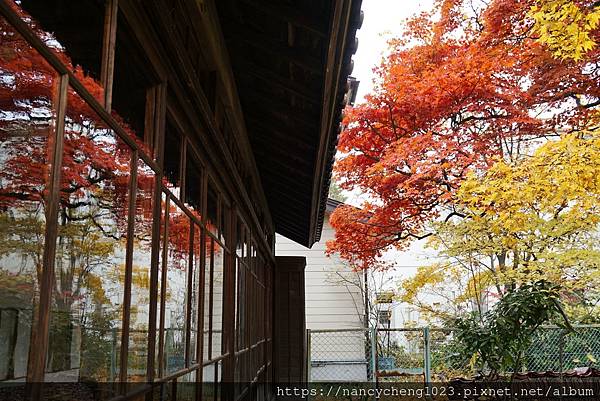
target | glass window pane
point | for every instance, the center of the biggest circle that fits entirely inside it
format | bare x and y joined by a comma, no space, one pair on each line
193,182
224,210
163,220
239,238
79,49
208,280
88,289
196,274
240,304
176,289
212,208
140,274
217,305
81,42
134,96
172,158
26,128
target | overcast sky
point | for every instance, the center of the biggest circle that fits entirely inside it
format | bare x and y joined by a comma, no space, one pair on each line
383,21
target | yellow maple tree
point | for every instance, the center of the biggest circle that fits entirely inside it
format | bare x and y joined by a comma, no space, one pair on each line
566,27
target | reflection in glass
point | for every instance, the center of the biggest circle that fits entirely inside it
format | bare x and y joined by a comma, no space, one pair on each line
217,302
56,16
140,275
176,289
208,280
81,53
161,258
26,131
135,96
88,287
240,305
212,210
196,275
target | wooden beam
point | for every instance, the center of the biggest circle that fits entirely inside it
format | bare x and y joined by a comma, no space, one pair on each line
282,115
312,22
283,153
288,222
259,120
338,40
270,78
284,140
281,103
303,58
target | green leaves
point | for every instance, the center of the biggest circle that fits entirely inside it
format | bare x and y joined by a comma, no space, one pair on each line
496,341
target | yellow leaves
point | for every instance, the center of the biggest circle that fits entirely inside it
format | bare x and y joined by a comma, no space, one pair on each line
476,285
140,276
94,285
558,184
425,276
565,28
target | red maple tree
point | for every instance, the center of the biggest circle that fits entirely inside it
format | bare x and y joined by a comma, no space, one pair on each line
456,93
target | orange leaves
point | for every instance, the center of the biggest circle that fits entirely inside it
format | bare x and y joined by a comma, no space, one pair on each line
455,95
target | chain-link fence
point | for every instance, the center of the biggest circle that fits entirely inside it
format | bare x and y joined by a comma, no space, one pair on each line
400,354
340,355
431,354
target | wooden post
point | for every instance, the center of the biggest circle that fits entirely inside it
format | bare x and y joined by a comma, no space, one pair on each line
289,324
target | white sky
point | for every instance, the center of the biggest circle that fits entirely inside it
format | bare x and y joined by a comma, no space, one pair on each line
383,21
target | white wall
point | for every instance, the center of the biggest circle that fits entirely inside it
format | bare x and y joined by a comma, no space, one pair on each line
333,295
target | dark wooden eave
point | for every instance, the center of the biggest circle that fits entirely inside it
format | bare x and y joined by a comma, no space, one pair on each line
291,60
332,204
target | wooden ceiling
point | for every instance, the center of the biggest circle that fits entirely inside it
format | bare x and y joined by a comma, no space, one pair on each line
291,60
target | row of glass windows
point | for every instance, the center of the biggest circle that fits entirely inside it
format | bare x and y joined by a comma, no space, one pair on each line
102,233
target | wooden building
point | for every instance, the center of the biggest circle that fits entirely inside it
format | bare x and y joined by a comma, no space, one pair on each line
149,151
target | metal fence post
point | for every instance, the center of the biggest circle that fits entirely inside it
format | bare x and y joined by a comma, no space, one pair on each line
427,356
308,356
113,355
373,354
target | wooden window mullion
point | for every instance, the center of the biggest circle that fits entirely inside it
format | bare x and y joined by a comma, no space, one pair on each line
128,270
163,289
38,348
155,261
108,51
